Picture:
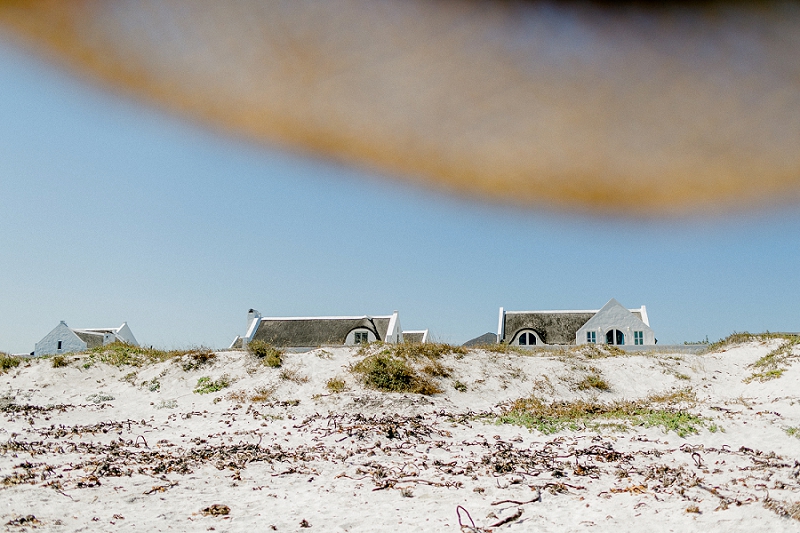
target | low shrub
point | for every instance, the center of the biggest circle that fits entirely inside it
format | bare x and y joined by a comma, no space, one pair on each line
59,361
269,355
336,385
7,362
392,373
460,387
206,385
593,381
197,358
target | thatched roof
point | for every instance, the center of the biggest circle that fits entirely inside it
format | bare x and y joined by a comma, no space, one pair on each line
553,327
310,332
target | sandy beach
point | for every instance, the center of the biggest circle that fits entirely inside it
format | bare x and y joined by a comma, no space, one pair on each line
692,443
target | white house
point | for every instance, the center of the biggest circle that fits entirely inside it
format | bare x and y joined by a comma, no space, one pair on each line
64,339
612,324
311,332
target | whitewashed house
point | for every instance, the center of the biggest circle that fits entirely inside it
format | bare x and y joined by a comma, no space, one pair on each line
312,332
612,324
64,339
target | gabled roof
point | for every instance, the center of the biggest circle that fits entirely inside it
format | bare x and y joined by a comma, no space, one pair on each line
486,338
316,331
613,307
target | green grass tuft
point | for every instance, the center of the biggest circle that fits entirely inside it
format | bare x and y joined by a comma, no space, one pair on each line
206,385
336,385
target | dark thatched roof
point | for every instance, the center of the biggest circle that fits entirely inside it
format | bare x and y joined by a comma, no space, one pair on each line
415,336
92,339
310,332
552,327
486,338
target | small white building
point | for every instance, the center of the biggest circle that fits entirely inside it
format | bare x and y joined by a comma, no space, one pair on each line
311,332
64,339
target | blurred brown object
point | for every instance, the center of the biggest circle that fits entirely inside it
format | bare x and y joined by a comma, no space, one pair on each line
618,109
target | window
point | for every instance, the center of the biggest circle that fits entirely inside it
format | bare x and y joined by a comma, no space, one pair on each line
591,337
527,339
59,345
616,337
361,337
638,338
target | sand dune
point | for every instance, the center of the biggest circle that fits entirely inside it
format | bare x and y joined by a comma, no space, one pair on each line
694,445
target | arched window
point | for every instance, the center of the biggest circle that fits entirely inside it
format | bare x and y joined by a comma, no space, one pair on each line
527,338
616,337
359,336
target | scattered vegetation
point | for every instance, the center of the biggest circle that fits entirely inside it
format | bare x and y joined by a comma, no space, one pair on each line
414,350
261,394
59,361
405,367
153,385
196,359
123,354
744,337
388,372
336,385
654,411
291,374
502,347
593,382
206,385
775,363
269,355
793,432
99,397
167,404
460,387
7,362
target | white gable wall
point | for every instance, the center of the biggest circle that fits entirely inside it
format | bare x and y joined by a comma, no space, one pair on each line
125,334
69,342
614,316
394,332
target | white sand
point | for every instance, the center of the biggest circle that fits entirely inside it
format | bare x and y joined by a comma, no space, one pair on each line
363,460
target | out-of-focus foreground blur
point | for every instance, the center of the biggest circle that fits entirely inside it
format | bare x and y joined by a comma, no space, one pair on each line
608,108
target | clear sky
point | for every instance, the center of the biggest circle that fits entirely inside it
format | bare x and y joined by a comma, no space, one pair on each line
111,211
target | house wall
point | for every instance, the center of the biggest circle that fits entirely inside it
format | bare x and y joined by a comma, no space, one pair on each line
615,317
125,334
49,344
351,337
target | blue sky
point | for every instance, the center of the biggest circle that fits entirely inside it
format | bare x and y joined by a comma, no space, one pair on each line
112,211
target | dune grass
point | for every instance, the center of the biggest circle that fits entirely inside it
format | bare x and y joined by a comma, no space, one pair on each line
123,354
775,363
7,362
664,411
268,354
206,385
405,367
